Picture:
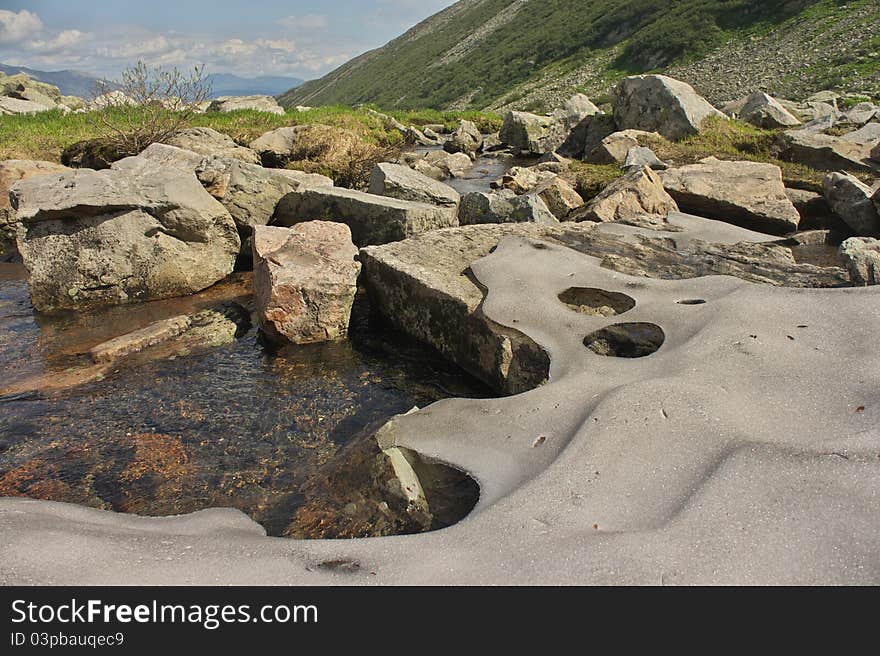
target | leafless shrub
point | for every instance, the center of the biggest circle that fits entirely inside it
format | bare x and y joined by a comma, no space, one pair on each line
147,105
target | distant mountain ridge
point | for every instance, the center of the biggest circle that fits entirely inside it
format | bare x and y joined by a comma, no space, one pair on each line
531,54
76,83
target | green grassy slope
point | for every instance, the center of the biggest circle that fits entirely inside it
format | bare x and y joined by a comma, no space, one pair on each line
476,52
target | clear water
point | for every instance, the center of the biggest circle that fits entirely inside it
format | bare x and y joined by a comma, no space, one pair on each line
282,434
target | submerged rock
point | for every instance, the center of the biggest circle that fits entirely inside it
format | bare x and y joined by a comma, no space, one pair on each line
372,219
749,194
305,281
656,103
94,238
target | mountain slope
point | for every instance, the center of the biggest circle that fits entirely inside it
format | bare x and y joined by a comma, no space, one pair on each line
71,83
530,53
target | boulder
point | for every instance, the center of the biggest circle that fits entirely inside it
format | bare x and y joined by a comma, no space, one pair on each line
637,194
92,238
466,139
656,103
639,156
574,110
162,156
748,194
11,171
422,285
815,212
860,114
206,141
766,112
559,197
587,135
866,136
861,255
850,199
875,153
109,99
824,152
614,148
440,165
532,134
16,106
399,181
503,207
305,281
414,136
372,219
276,146
522,179
254,103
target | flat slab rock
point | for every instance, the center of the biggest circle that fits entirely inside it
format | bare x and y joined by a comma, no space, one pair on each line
748,194
423,287
305,281
372,219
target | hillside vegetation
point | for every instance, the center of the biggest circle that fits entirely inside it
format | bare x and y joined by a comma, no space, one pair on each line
531,53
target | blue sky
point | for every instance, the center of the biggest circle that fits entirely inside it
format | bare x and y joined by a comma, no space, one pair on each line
260,37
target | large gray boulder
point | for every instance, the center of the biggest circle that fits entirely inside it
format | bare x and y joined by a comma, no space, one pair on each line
522,179
440,165
11,171
275,147
574,110
586,135
766,112
466,139
748,194
850,199
305,281
559,197
399,181
256,103
503,207
372,219
92,238
638,194
825,152
656,103
16,107
532,134
206,141
861,256
639,156
614,148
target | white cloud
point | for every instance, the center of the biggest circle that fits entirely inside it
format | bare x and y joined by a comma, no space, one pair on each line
305,22
17,27
62,41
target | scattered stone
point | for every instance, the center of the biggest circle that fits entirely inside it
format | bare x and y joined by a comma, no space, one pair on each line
11,171
372,219
414,136
503,207
868,136
850,199
94,238
440,165
860,114
255,103
614,148
766,112
109,99
639,156
861,255
206,141
305,280
532,134
521,179
748,194
399,181
559,197
824,152
656,103
466,139
638,193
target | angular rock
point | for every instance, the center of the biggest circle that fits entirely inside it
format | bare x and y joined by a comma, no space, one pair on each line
440,165
850,199
587,135
639,156
860,114
875,153
206,141
275,147
815,212
162,156
11,171
766,112
109,99
824,152
614,148
256,103
574,110
94,238
637,194
16,106
372,219
868,136
861,255
399,181
748,194
305,281
559,197
656,103
521,179
530,133
421,285
503,207
466,139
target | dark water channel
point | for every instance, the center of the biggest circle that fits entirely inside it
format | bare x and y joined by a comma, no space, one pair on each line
283,434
